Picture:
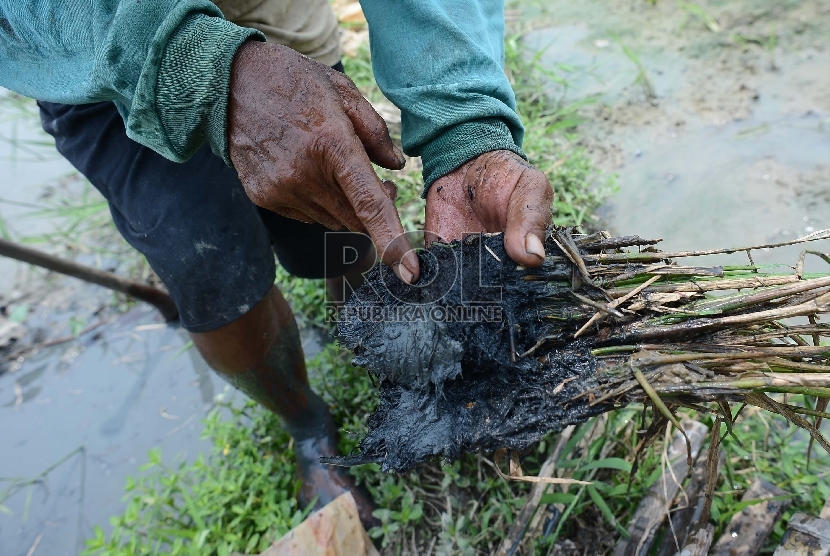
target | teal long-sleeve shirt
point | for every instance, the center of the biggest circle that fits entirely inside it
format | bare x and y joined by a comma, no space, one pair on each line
166,65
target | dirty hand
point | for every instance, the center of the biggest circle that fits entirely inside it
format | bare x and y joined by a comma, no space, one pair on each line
496,192
301,137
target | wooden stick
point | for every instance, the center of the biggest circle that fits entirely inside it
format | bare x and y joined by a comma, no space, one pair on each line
157,298
818,305
689,508
614,242
621,257
699,542
805,536
703,286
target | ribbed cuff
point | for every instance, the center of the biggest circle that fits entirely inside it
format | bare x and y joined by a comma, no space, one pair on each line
194,82
463,142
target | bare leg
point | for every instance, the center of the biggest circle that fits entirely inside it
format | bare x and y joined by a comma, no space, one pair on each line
260,353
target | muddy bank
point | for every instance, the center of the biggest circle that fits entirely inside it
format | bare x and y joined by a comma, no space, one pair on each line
715,116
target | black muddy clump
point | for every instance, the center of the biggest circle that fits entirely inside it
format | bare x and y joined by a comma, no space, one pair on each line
457,356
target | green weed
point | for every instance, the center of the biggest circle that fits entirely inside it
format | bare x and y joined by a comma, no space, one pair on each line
19,112
240,498
642,78
767,43
696,11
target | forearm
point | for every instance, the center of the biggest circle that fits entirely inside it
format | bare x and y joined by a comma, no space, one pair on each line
165,63
441,63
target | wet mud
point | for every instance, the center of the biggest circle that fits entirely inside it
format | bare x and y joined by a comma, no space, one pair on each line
112,394
482,354
732,146
454,355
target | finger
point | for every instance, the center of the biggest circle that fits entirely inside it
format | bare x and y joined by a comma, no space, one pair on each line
375,210
369,127
296,215
528,216
339,208
390,189
324,217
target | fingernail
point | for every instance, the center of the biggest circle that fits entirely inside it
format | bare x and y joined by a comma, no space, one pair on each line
404,274
400,155
410,264
391,189
534,246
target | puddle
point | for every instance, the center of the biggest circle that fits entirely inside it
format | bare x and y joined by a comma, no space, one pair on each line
119,391
115,394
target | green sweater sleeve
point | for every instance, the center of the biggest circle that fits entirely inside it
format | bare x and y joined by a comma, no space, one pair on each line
165,63
441,63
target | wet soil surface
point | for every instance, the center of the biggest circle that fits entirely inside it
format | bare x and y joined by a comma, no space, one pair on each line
127,385
733,148
113,394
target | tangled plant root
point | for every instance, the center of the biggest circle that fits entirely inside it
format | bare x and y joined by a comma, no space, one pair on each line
482,355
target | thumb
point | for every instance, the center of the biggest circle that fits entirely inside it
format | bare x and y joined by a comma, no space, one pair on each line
528,217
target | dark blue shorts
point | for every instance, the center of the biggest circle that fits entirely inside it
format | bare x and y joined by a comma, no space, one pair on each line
211,246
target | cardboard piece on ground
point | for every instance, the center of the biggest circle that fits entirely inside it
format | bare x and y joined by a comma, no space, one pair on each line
334,530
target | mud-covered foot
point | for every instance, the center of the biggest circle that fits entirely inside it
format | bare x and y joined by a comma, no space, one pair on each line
327,482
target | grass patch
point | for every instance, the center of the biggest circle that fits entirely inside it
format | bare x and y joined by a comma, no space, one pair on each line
241,497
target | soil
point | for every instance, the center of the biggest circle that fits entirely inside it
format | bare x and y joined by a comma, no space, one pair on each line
734,146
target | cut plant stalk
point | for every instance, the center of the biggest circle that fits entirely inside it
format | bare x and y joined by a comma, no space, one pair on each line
482,355
159,299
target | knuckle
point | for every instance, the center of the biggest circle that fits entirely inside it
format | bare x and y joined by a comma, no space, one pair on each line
344,81
372,211
329,145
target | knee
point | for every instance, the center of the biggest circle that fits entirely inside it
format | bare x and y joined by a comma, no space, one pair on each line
245,342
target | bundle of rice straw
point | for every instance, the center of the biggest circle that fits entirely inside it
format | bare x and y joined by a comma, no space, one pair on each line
482,354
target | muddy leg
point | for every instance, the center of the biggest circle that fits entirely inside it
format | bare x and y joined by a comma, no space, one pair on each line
260,353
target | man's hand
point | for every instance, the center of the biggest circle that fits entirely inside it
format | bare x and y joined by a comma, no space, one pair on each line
301,137
496,192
